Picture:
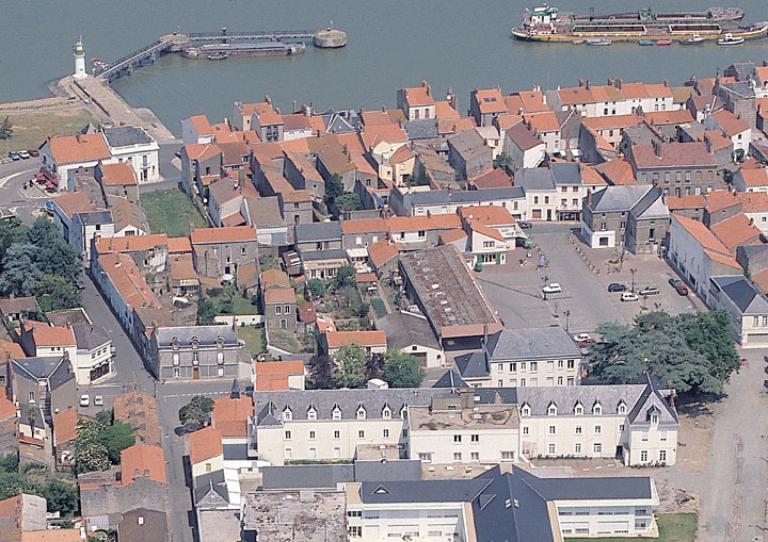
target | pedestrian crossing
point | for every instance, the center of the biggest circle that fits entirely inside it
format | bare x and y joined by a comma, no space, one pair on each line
34,192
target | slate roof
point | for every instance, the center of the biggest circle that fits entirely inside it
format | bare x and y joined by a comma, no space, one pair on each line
743,294
320,255
421,129
90,337
93,218
206,335
126,136
567,397
450,379
211,487
410,491
318,231
618,198
566,173
56,370
551,342
406,329
531,179
472,365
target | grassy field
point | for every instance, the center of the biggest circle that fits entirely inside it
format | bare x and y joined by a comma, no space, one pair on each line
31,129
243,305
680,527
171,211
254,338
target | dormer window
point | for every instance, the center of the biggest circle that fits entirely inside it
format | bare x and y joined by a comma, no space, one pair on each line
552,409
578,410
195,343
622,408
312,414
175,343
404,412
597,409
653,415
287,415
386,413
336,413
525,410
220,342
361,414
654,418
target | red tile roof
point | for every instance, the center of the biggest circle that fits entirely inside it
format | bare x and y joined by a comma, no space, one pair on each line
418,96
273,375
53,336
543,122
496,178
617,172
274,277
117,174
7,408
382,251
673,155
729,123
755,176
52,535
237,234
337,339
279,295
686,202
490,100
204,444
735,231
230,416
10,350
139,459
489,215
78,148
65,426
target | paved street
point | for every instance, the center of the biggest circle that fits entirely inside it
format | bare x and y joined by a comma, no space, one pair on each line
735,484
516,290
23,203
131,374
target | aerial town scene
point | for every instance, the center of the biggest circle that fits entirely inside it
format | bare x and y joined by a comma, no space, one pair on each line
395,276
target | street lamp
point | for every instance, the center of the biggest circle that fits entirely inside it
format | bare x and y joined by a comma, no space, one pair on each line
633,271
567,315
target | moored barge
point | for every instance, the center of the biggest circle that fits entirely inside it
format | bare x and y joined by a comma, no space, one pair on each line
547,24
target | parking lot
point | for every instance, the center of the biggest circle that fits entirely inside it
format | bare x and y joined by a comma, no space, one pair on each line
585,302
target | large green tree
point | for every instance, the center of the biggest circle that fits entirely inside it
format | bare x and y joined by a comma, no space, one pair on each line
334,187
60,494
6,128
197,410
348,201
99,442
402,370
345,276
55,292
351,363
21,274
693,353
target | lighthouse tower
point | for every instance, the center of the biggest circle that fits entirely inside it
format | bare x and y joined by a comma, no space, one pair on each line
79,51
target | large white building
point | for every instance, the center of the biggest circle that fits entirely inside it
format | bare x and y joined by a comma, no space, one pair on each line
515,506
636,423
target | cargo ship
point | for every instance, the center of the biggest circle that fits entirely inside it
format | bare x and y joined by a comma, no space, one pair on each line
548,24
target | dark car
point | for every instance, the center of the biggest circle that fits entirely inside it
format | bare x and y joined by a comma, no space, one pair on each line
679,286
34,153
15,156
189,427
525,225
616,287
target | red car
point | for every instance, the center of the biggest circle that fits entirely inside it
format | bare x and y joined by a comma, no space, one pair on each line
34,153
679,286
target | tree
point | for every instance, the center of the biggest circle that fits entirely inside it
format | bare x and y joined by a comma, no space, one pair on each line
197,410
60,494
344,277
12,483
688,352
55,256
351,362
316,287
20,272
320,370
54,293
334,187
6,128
348,201
375,367
11,231
206,312
402,370
116,438
92,456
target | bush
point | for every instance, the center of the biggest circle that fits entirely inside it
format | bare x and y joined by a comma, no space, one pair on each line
197,410
378,307
316,287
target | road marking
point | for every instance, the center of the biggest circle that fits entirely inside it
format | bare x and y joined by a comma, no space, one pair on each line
8,178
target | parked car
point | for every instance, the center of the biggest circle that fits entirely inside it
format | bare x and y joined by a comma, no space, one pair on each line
524,225
616,287
189,427
13,155
34,153
679,286
629,296
552,288
85,400
649,290
24,155
583,340
98,400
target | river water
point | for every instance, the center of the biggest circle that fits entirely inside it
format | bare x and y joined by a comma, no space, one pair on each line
460,44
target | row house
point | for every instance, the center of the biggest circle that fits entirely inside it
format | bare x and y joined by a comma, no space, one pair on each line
218,252
698,255
523,148
634,422
196,352
732,127
556,192
616,98
278,301
445,202
676,168
746,305
417,102
469,155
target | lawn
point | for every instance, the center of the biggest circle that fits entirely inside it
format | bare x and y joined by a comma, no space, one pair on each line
285,341
378,306
171,211
243,305
679,527
254,338
30,130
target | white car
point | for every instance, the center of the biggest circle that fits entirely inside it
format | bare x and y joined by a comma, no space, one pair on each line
98,400
85,400
581,337
552,288
629,296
